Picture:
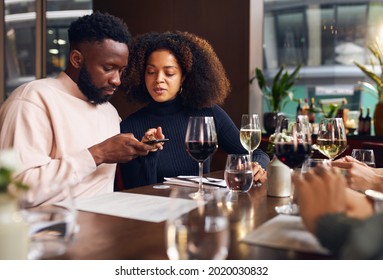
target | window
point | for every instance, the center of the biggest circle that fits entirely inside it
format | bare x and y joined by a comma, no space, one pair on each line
20,24
319,34
326,37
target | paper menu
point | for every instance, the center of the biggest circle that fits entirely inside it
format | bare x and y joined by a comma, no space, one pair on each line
285,232
149,208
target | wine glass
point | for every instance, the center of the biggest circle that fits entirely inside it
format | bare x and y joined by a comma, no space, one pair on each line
364,155
238,172
197,229
332,140
200,142
250,133
292,147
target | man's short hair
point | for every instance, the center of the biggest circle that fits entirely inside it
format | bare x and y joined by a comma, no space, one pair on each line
97,27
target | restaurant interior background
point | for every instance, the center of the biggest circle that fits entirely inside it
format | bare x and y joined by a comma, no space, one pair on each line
326,37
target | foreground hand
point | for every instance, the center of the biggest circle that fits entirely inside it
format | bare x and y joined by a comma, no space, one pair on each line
120,148
359,175
320,191
260,174
358,205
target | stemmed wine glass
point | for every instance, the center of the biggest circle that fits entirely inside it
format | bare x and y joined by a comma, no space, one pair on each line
200,142
292,147
332,140
250,133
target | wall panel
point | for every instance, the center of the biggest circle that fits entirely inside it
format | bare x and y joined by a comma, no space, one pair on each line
225,24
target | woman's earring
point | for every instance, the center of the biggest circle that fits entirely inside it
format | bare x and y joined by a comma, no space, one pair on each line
180,90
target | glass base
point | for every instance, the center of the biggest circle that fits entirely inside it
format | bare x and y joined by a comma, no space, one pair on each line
201,195
288,209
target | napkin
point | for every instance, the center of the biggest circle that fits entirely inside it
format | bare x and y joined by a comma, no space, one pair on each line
285,232
192,181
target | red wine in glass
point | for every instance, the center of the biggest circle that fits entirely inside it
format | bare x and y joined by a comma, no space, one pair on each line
292,155
200,143
200,151
292,147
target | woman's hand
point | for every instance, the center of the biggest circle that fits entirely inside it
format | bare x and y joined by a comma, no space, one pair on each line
153,134
260,174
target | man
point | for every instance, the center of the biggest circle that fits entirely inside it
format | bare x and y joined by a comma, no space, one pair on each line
64,129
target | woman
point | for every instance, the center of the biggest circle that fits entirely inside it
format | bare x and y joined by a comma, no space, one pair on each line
177,75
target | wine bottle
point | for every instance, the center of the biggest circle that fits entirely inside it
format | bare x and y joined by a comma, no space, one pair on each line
311,114
367,123
299,107
305,108
361,122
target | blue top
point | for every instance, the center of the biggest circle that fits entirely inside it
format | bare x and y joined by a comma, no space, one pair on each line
174,160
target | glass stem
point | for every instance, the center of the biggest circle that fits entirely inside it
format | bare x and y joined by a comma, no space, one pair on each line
251,160
200,167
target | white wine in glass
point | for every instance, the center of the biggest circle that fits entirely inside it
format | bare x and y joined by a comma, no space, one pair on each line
332,140
250,133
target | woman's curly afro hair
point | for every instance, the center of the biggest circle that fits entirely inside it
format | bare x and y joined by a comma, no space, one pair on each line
205,81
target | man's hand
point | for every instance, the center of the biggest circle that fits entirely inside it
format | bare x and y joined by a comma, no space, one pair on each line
119,149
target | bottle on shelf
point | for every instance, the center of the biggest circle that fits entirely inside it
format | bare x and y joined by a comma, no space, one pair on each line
305,108
367,123
342,110
361,122
299,107
311,112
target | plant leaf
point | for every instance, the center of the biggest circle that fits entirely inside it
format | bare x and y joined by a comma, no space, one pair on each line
370,74
260,78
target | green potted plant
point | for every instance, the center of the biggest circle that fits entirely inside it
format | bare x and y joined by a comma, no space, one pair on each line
277,94
376,50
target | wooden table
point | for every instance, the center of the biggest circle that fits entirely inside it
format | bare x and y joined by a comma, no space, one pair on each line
103,237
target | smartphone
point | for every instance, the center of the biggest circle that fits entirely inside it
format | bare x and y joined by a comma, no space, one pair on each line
152,142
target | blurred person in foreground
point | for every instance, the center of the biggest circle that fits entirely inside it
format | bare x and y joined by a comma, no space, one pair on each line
342,219
176,75
64,129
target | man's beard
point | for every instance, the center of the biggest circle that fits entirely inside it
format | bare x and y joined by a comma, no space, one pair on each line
93,93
